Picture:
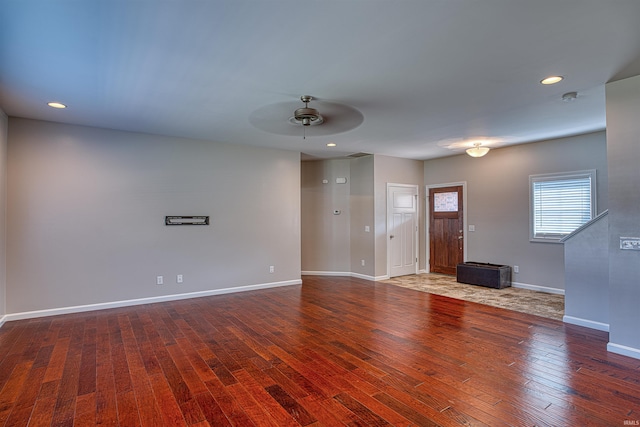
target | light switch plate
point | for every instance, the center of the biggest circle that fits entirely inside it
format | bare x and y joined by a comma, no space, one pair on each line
630,243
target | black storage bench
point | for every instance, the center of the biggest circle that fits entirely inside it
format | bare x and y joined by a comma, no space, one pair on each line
483,274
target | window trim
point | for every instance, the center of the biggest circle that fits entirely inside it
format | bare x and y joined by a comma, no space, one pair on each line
589,173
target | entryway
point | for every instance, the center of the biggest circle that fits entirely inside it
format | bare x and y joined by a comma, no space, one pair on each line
446,228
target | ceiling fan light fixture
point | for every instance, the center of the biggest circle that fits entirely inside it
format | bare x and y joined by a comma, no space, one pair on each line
306,116
477,150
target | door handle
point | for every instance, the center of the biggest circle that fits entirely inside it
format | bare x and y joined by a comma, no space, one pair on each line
460,237
391,236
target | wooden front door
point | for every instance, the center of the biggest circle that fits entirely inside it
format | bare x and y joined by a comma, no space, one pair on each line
446,232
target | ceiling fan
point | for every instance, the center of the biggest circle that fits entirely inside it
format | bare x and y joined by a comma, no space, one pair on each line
286,118
306,116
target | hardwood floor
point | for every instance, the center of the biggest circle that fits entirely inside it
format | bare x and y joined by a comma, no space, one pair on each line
333,352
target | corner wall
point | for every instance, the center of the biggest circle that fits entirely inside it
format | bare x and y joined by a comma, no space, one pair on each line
86,208
498,201
325,235
4,125
586,263
362,215
333,244
623,150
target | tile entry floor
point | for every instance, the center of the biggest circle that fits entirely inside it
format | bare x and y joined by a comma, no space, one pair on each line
542,304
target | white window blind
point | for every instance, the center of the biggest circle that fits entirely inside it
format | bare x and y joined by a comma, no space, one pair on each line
560,203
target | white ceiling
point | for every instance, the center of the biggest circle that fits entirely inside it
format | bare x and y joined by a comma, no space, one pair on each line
415,79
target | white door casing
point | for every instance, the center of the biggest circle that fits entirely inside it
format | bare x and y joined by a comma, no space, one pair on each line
402,229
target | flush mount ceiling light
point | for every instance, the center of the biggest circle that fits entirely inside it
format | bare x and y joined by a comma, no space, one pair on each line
477,150
56,105
331,144
551,80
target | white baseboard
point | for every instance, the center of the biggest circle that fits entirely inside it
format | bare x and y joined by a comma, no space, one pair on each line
345,274
140,301
364,276
2,320
538,288
624,350
586,323
327,273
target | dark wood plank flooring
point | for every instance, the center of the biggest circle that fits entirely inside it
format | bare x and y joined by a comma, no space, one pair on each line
332,352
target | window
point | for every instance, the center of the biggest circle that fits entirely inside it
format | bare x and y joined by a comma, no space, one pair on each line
445,202
560,203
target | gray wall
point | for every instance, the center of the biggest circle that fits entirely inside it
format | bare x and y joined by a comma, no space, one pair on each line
3,207
86,214
586,264
325,236
337,244
394,170
362,215
623,149
498,200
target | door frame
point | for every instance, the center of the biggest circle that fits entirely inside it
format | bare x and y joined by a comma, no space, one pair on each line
417,231
465,227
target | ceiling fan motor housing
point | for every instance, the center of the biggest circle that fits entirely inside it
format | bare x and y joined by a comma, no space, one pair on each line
306,115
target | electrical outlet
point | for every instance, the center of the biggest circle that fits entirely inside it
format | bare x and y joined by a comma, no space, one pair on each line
271,269
159,280
516,269
179,278
362,262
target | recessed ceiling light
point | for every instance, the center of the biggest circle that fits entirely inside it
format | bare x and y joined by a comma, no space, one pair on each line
331,144
56,105
551,80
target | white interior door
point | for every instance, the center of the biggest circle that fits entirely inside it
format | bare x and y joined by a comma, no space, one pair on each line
402,229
